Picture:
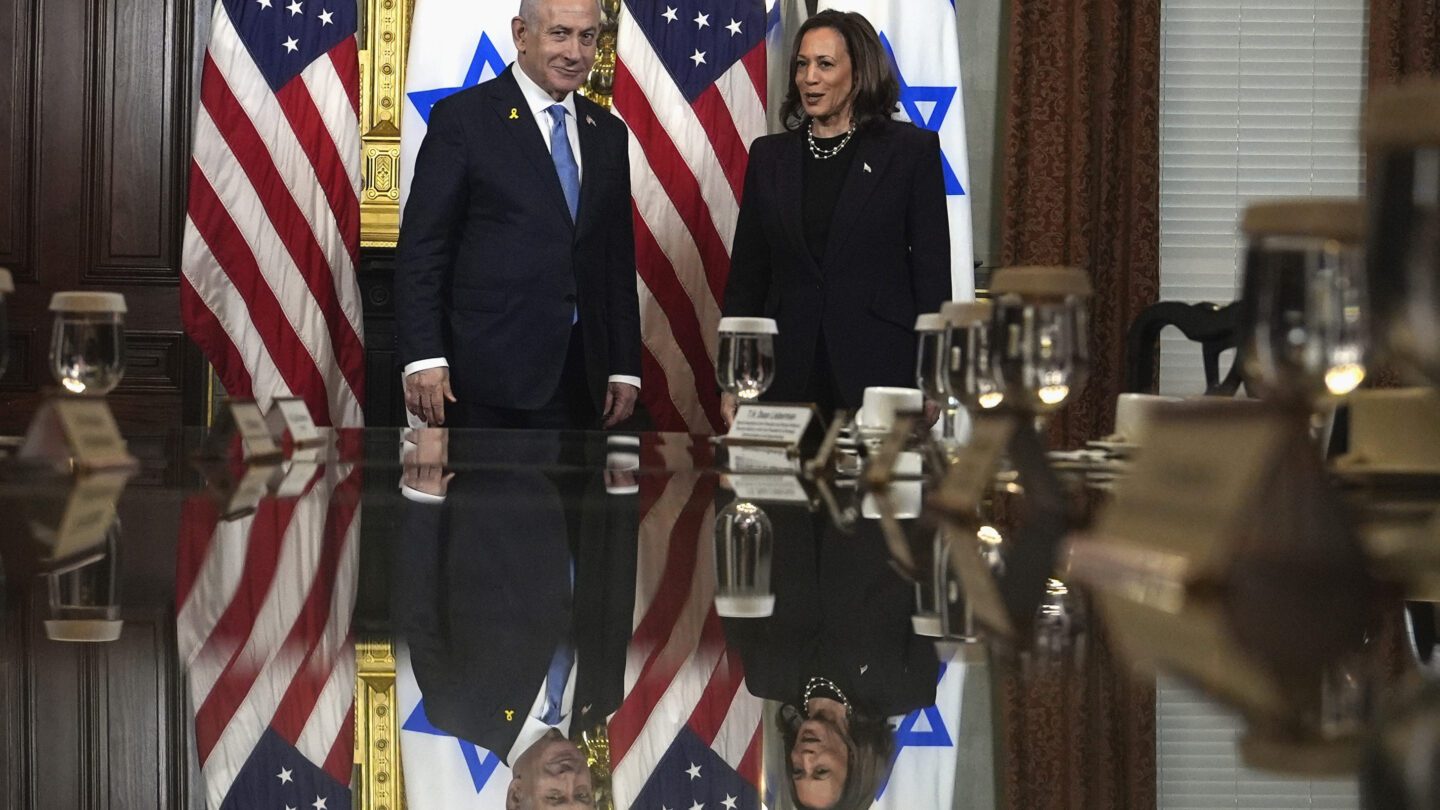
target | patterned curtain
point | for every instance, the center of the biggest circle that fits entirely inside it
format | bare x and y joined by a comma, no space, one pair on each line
1404,40
1080,185
1081,170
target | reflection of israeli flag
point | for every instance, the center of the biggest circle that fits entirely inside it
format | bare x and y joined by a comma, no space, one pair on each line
440,770
925,52
925,749
454,44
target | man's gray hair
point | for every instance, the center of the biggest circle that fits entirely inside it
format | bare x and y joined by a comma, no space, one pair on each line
530,11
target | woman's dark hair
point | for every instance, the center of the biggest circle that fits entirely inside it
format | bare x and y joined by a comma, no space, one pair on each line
874,92
868,742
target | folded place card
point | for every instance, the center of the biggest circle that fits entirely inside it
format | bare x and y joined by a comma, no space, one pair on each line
242,421
771,424
78,433
74,524
290,415
1394,429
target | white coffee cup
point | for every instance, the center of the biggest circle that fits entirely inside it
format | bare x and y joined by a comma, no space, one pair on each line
882,403
1133,412
905,496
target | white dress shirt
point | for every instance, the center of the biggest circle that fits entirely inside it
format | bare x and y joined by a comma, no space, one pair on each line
540,102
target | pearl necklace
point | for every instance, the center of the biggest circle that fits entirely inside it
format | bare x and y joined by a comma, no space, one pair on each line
817,683
822,153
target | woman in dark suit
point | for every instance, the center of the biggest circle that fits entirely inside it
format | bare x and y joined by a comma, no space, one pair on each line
843,236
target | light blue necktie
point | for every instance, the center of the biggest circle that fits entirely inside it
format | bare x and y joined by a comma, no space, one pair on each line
564,158
555,681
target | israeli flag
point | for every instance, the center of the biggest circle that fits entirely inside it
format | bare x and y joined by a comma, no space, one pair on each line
454,44
441,770
924,49
926,748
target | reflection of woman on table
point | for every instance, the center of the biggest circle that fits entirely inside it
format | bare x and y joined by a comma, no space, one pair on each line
843,236
839,653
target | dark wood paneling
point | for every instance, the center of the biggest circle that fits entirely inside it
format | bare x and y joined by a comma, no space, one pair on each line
15,25
138,155
384,402
14,698
21,373
94,138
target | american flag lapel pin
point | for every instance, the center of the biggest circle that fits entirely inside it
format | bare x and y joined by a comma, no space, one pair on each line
590,121
514,114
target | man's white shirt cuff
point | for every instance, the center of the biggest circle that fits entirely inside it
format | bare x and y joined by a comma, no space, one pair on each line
429,362
625,378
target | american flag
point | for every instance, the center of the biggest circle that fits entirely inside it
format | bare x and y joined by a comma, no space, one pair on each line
690,82
272,234
688,733
263,626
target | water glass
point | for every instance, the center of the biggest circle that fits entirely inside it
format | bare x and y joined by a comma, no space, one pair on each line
969,366
1402,135
1304,336
1039,335
746,365
744,548
87,341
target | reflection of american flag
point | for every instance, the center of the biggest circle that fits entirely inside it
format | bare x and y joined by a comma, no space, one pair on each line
690,83
273,232
688,731
263,625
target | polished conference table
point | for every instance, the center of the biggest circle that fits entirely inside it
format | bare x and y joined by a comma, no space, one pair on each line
402,610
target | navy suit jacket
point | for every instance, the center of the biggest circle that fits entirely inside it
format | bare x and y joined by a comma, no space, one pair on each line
886,261
491,269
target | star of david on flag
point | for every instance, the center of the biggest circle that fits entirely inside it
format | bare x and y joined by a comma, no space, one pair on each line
923,46
454,44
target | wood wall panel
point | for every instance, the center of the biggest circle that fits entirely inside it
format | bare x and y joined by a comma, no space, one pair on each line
95,138
15,25
138,152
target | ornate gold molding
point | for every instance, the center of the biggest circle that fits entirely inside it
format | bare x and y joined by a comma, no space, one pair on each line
601,84
377,755
383,46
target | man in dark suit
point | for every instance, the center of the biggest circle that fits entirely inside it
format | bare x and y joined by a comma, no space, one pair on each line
515,288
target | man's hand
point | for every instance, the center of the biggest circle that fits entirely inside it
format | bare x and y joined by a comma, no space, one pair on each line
619,402
424,463
729,404
426,393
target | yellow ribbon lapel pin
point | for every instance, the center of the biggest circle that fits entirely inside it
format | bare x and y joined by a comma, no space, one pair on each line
514,114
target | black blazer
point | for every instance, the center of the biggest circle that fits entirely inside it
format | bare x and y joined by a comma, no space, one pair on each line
841,612
491,268
483,595
887,259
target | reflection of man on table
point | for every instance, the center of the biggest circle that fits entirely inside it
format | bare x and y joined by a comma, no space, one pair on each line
515,288
514,591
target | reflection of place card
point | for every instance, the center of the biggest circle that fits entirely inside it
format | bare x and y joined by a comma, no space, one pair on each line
1195,642
85,517
76,429
252,486
290,415
965,484
1196,484
293,477
769,488
782,425
761,459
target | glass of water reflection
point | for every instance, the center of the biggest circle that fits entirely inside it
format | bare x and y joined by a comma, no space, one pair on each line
746,365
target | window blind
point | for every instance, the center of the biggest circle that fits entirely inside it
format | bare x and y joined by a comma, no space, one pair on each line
1258,99
1198,764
